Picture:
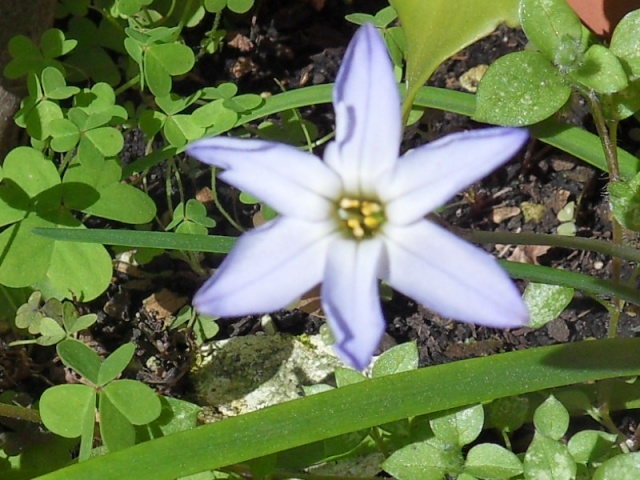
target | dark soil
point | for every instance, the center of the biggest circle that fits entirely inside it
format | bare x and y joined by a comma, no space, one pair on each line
301,43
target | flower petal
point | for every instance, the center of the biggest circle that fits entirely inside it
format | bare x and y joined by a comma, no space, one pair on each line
427,177
451,276
351,301
368,119
292,182
267,269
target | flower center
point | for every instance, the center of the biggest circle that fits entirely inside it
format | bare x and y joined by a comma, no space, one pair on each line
360,218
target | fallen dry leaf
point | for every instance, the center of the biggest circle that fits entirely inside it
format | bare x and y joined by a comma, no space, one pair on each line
163,303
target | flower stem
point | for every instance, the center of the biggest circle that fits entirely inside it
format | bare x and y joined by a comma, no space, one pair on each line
607,131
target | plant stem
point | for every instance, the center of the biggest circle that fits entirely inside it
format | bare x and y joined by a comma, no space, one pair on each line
607,131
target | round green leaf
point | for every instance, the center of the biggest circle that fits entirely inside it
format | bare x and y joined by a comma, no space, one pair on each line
546,302
519,89
428,460
164,60
548,458
64,409
65,135
123,203
625,43
50,332
401,358
622,467
459,427
40,117
25,257
77,324
489,460
180,129
552,26
592,446
106,140
215,6
135,400
601,71
55,86
239,6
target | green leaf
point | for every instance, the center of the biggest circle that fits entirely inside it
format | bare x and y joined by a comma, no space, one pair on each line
348,376
589,446
624,197
79,357
621,467
359,18
520,89
601,71
116,431
400,358
239,6
554,28
489,460
65,135
66,409
431,39
107,141
625,43
26,57
180,129
50,332
459,427
551,418
163,61
77,324
429,460
546,302
387,399
55,86
507,414
548,458
123,203
115,363
54,44
38,120
135,400
25,257
215,6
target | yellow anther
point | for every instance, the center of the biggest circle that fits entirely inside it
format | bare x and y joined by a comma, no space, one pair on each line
370,208
371,222
348,203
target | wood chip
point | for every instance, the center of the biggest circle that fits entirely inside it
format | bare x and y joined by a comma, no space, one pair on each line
241,42
500,214
163,303
528,253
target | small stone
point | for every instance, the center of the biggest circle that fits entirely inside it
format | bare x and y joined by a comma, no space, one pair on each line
470,79
561,165
500,214
163,303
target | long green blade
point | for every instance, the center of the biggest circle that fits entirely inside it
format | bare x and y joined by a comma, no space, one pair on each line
361,406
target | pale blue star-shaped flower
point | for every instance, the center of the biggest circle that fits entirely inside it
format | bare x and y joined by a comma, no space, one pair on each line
359,216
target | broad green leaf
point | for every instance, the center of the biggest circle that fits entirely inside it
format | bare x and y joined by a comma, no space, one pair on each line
520,89
163,61
347,376
551,419
401,358
554,28
545,302
54,44
115,363
429,460
84,360
459,427
489,460
81,270
621,467
108,141
387,399
24,257
40,117
601,71
77,324
437,29
592,446
507,414
135,400
116,431
26,57
625,43
180,129
215,6
65,409
548,459
176,415
123,203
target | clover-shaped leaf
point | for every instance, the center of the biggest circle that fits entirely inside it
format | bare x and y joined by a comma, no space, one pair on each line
115,363
79,357
27,57
162,61
51,332
55,86
30,311
66,409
